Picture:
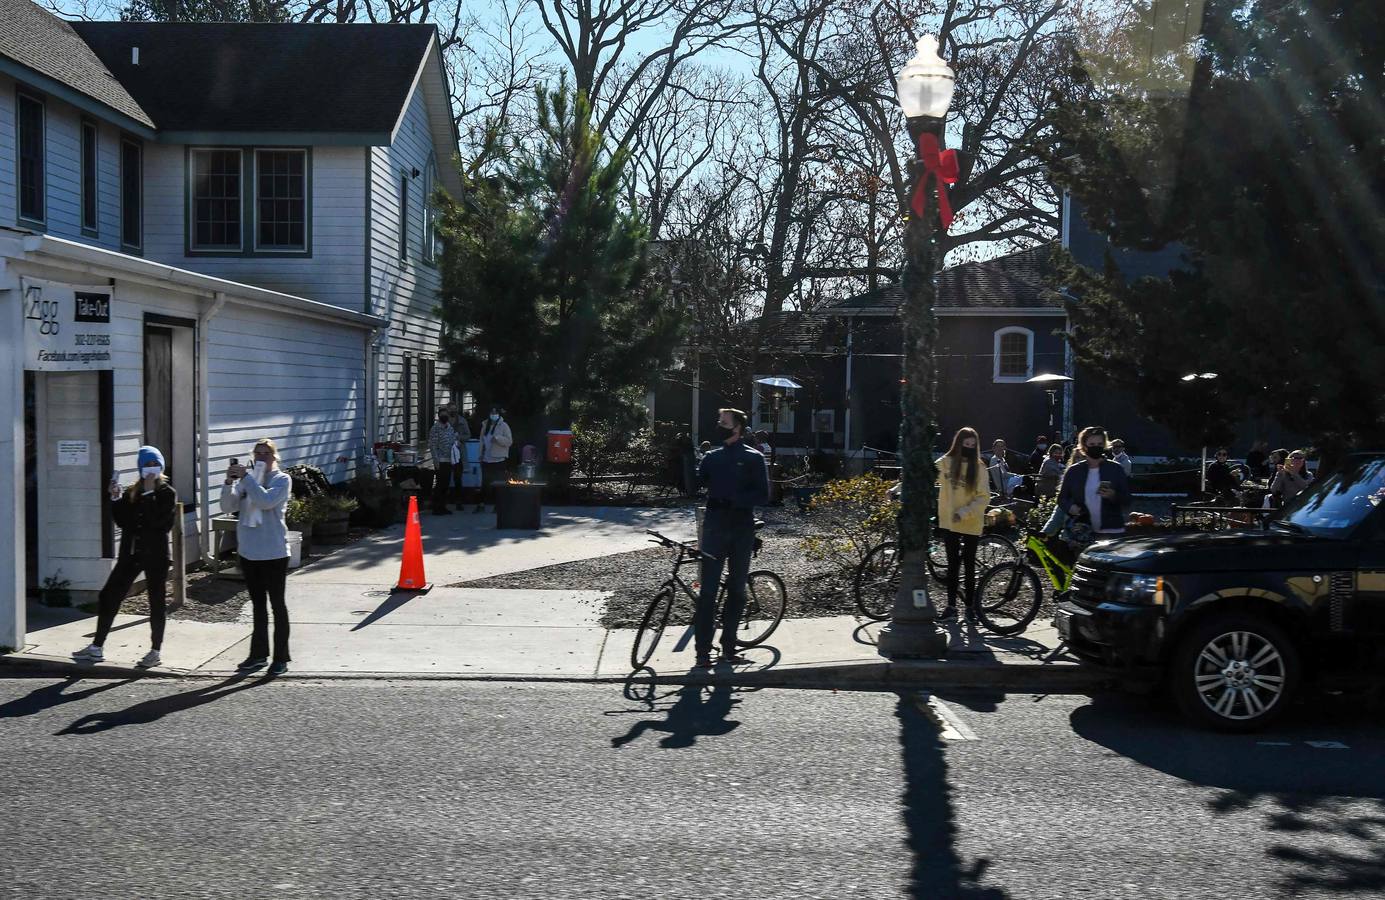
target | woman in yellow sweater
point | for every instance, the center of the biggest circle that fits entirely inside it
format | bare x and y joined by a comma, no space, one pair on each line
963,492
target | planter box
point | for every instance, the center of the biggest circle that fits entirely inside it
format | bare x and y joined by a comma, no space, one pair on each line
333,530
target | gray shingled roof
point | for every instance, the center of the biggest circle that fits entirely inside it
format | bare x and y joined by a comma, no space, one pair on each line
39,40
223,77
1016,280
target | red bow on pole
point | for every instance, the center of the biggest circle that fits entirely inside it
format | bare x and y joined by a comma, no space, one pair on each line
942,165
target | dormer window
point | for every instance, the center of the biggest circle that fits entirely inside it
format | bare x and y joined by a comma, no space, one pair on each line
216,199
281,209
249,201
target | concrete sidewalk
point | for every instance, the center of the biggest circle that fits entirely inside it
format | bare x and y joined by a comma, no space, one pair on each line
347,623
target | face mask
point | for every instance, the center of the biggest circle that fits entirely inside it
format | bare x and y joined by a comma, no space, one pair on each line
495,417
724,434
1043,446
151,471
261,465
1096,452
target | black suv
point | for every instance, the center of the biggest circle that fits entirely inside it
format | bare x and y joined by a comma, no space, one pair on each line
1235,622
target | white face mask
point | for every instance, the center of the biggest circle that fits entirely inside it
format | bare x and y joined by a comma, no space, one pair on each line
495,417
261,465
151,471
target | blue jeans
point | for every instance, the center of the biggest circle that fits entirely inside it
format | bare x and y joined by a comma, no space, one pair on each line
728,536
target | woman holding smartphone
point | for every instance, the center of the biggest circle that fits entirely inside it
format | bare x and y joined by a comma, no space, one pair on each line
261,494
1096,488
144,512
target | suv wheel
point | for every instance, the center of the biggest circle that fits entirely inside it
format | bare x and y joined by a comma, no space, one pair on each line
1235,672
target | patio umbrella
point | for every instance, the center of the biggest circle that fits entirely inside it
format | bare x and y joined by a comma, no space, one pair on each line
779,381
1048,378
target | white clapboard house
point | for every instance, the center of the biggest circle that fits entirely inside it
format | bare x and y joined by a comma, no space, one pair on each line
209,233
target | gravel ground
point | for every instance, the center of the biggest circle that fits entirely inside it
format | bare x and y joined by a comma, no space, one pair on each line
634,577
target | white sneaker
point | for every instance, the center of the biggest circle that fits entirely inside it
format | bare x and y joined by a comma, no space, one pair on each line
91,653
150,660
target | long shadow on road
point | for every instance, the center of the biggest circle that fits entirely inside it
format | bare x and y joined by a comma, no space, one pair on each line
55,694
153,710
1323,800
937,871
700,711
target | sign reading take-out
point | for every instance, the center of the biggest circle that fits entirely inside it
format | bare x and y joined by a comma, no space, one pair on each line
67,327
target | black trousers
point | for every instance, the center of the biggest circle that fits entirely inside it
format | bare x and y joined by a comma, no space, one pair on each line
264,581
442,483
728,539
961,552
127,569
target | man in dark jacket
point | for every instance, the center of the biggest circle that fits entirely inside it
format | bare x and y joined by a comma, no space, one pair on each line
737,481
145,515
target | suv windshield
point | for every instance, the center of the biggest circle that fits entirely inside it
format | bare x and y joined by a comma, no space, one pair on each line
1334,506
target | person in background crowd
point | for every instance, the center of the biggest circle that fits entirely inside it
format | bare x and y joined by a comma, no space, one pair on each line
1276,462
1097,488
260,495
1257,459
737,480
496,439
1221,480
442,442
1119,455
1003,479
1036,459
763,445
144,512
459,425
962,499
1291,478
1050,473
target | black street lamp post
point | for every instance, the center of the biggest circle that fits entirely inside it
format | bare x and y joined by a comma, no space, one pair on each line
925,92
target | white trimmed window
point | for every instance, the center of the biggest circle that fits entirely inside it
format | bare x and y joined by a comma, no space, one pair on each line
762,414
1014,354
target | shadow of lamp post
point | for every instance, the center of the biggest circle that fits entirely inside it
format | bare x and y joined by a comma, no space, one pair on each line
925,92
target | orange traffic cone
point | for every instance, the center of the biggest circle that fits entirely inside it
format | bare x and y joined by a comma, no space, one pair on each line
411,576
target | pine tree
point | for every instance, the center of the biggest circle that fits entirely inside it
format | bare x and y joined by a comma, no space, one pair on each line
548,300
1258,146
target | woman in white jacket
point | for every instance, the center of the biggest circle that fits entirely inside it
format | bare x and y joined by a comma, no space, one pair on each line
261,495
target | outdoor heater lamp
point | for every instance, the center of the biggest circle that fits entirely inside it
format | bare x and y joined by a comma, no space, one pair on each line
924,87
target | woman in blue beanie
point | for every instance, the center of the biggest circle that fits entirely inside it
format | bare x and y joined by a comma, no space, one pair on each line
145,513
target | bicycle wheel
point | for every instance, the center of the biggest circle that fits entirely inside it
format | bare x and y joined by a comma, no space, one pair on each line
991,550
877,581
651,628
994,549
765,598
1008,597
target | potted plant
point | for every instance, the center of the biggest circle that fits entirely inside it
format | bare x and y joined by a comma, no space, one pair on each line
334,511
301,515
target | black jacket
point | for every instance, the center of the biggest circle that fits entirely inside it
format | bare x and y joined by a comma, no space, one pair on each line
145,521
735,476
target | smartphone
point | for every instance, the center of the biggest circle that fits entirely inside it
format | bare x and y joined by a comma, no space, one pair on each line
1103,486
234,461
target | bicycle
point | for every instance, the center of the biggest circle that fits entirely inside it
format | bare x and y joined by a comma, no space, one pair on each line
877,576
765,599
1009,595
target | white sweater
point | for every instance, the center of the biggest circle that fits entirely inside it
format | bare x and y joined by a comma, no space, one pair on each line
269,539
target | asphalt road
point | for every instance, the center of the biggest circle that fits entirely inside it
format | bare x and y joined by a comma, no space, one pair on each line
154,789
